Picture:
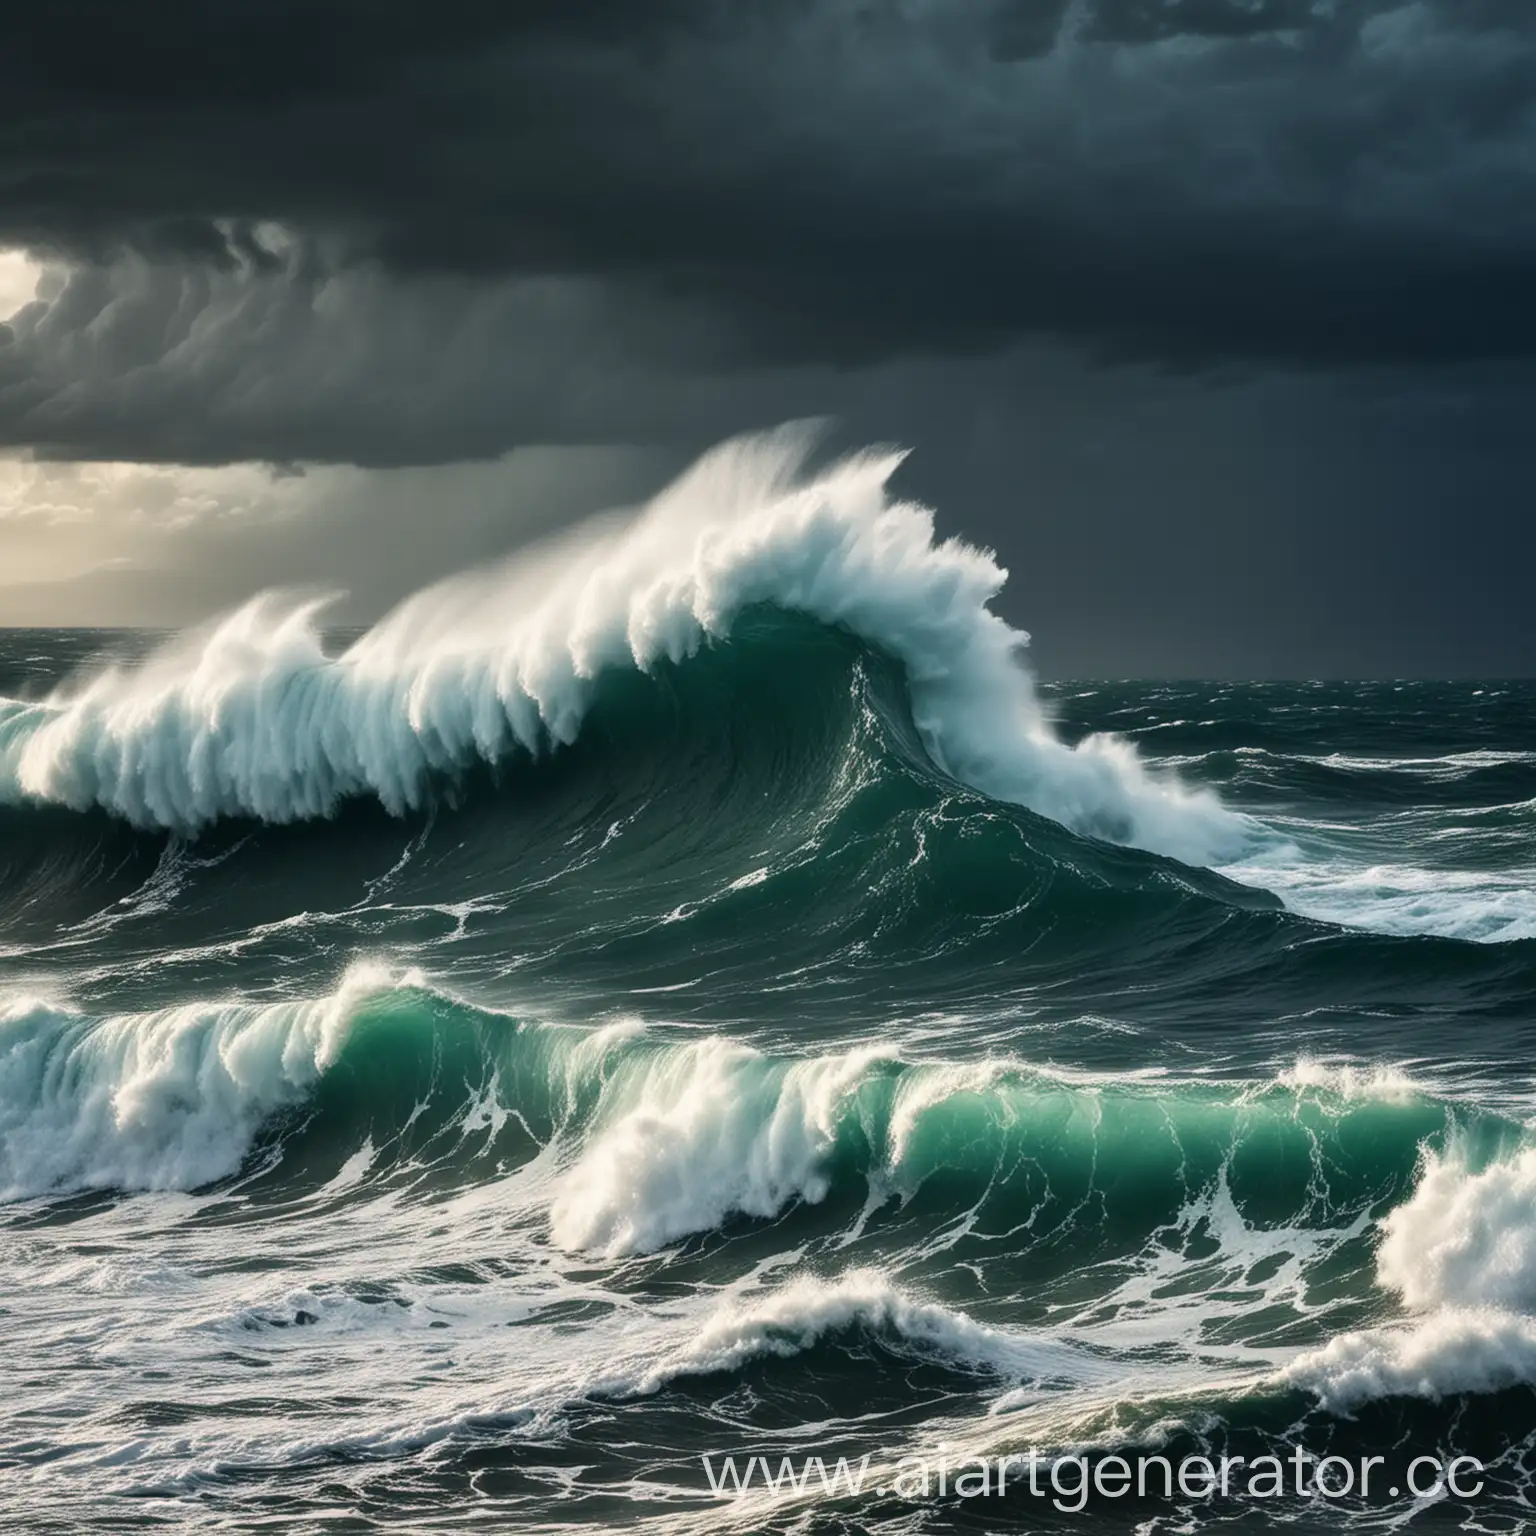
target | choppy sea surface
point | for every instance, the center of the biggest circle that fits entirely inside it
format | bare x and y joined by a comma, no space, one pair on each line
691,993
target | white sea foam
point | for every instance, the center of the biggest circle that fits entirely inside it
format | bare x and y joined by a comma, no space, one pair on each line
1460,1252
251,717
683,1138
1454,1351
1450,765
1465,1239
1397,899
631,1351
793,1317
1377,1081
167,1100
702,1132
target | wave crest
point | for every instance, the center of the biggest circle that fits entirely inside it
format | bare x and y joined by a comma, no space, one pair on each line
1465,1238
650,1137
254,719
1460,1252
167,1100
794,1317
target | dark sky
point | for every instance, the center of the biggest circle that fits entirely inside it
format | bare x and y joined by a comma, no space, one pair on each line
1217,318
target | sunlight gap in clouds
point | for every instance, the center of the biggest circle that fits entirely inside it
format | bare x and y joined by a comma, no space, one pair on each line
19,275
62,520
122,543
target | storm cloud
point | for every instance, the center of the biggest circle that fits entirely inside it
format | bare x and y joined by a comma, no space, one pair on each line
1216,286
813,183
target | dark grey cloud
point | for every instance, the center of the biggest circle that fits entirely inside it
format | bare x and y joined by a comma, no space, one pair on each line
1293,524
1146,21
1320,182
287,359
1215,317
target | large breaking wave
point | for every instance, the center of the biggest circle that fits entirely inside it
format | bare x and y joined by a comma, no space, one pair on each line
252,718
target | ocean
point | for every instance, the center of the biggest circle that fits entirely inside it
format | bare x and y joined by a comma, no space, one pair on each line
689,997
